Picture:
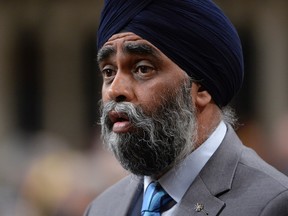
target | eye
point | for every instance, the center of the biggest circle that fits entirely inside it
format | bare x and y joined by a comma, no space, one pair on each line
144,69
108,72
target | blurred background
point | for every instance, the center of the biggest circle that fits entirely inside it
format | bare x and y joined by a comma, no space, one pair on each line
51,160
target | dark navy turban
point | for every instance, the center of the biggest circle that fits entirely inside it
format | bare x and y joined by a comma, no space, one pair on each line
195,34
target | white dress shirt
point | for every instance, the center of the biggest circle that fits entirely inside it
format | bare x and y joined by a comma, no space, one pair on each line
176,181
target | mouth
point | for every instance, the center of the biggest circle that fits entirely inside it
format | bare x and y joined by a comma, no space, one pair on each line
120,122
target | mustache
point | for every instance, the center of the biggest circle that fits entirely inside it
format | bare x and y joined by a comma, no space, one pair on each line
134,113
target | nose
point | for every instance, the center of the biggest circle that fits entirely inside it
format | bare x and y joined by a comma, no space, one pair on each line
121,90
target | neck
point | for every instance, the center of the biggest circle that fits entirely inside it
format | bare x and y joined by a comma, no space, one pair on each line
207,121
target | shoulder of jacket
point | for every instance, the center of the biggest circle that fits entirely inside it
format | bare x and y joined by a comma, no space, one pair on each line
250,160
109,199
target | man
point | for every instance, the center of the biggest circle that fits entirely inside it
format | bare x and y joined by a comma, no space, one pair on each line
170,68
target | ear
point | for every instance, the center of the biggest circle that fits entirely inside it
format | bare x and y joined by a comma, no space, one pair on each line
200,96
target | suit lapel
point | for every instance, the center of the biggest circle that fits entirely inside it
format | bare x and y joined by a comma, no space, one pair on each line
215,179
199,201
130,196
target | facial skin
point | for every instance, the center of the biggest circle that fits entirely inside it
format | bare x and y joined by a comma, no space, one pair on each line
134,74
150,109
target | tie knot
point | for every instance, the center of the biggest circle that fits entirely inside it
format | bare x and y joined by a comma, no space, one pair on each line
156,200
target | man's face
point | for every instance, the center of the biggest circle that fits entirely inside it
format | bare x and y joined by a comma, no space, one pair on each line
148,117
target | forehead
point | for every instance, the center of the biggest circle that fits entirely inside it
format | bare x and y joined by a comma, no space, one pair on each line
125,37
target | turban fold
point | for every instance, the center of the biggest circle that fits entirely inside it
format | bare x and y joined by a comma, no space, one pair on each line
194,34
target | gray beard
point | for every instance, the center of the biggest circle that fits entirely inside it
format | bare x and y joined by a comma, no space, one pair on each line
160,140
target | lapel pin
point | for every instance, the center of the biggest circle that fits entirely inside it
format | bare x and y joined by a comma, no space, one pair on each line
200,208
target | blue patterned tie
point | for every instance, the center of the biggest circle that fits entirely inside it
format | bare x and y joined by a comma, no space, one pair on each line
156,200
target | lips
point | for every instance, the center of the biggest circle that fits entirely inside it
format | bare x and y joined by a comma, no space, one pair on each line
120,122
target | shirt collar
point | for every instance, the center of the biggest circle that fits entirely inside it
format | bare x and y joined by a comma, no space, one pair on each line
176,181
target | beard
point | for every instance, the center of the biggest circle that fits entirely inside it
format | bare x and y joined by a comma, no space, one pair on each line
159,140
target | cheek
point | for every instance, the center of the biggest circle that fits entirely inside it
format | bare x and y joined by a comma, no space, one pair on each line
151,96
104,94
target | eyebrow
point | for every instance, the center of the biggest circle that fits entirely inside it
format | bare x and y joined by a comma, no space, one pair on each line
140,49
105,53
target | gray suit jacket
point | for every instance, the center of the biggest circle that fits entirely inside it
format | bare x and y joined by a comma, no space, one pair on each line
234,182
